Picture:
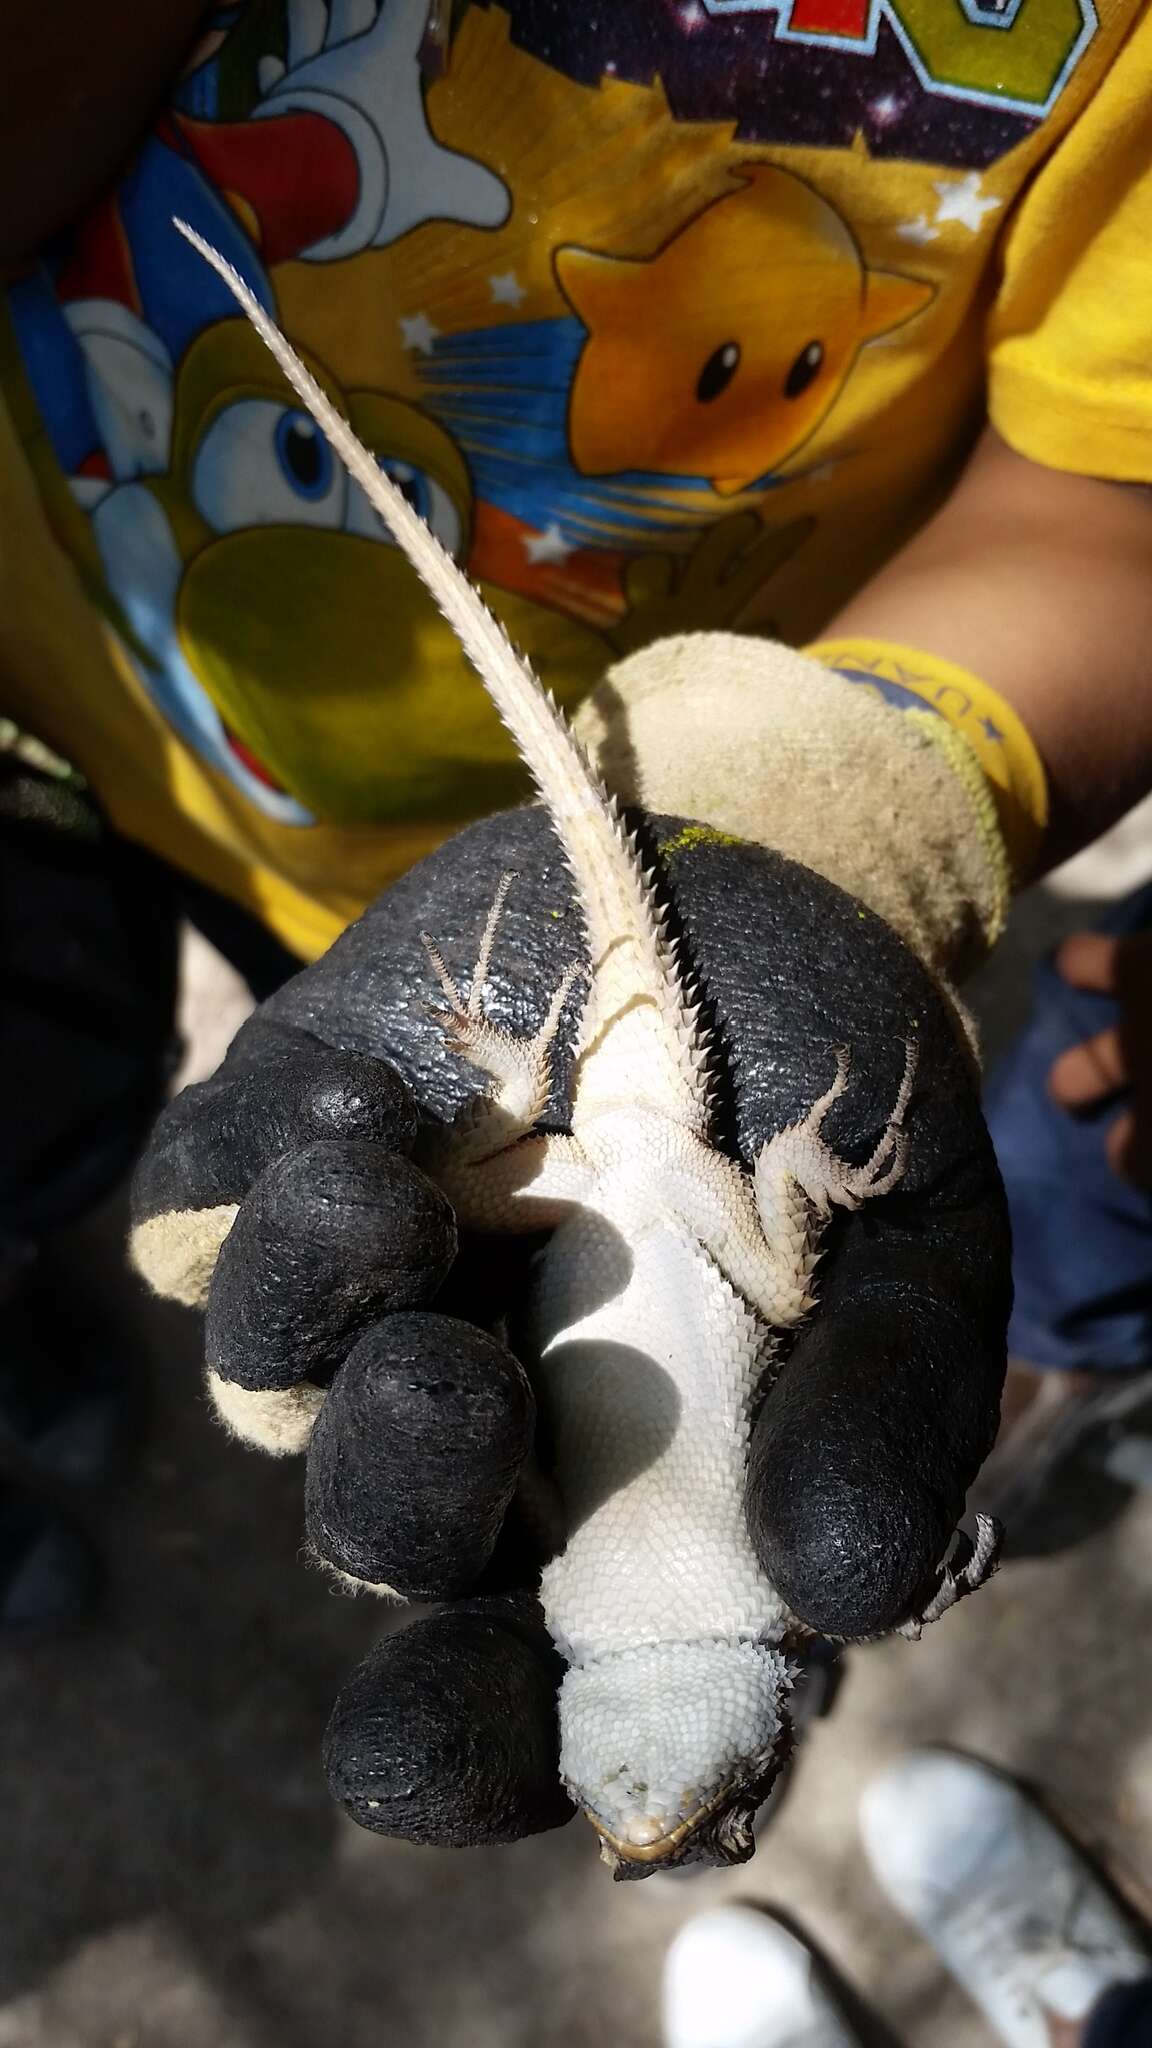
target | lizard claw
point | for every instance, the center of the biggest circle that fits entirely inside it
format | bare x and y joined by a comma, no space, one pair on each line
471,1011
520,1067
885,1168
980,1555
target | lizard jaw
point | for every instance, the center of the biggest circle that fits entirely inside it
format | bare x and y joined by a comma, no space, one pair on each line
718,1833
650,1842
708,1733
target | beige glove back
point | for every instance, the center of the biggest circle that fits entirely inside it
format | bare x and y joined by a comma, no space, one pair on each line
757,740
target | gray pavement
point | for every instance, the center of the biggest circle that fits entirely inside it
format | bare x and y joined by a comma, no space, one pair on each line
173,1876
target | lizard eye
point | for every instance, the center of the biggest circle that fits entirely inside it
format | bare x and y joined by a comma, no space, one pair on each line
718,371
805,369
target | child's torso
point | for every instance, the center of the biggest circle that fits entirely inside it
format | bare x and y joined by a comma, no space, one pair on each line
669,316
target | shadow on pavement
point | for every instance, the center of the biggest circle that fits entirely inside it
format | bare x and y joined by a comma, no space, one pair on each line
166,1759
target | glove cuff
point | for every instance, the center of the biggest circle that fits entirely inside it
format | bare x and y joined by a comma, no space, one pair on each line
1011,777
766,744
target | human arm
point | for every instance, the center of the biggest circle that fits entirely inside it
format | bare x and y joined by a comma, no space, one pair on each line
1040,583
1031,580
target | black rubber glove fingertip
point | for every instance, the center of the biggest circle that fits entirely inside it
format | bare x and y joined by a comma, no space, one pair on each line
862,1455
850,1551
330,1238
446,1735
415,1455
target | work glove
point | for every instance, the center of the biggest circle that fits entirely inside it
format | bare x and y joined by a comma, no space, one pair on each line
347,1317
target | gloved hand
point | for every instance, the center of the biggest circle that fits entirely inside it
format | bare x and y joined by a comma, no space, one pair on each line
344,1315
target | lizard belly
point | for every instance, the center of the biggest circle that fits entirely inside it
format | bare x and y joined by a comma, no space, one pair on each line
646,1362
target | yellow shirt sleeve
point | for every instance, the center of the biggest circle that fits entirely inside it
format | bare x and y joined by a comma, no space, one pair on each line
1070,332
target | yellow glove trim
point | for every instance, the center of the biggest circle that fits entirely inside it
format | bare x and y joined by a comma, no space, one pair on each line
1010,792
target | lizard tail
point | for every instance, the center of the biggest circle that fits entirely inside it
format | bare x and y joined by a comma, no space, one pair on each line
632,954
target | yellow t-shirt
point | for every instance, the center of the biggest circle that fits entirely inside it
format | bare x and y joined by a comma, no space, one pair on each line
668,314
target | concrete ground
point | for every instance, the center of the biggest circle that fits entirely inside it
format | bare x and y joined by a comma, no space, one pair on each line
173,1876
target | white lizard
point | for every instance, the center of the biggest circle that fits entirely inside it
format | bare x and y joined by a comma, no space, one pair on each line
657,1301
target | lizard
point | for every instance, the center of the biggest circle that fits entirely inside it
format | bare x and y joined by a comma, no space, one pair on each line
659,1299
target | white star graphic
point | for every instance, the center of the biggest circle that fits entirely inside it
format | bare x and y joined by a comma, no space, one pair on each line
549,546
960,199
506,289
418,332
886,109
917,230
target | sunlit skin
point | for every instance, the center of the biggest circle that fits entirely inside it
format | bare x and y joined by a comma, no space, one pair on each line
1065,2033
1118,1060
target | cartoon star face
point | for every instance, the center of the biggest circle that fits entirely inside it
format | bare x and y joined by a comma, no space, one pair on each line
721,354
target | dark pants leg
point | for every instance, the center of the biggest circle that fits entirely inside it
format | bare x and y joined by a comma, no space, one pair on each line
88,970
1123,2018
87,991
88,974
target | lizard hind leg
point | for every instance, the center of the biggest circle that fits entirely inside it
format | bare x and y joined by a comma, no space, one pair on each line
520,1068
798,1180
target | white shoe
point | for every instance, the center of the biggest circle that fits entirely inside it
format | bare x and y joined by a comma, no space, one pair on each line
735,1978
1006,1902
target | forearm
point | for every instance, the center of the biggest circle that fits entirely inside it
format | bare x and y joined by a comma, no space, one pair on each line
1040,583
920,793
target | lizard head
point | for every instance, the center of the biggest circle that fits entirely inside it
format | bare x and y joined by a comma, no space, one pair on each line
708,1732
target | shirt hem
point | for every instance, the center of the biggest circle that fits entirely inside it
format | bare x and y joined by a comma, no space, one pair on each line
1048,424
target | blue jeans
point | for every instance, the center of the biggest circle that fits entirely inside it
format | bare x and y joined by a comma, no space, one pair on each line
1123,2018
1082,1237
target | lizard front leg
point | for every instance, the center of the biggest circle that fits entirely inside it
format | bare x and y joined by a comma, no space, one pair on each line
521,1068
497,1173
